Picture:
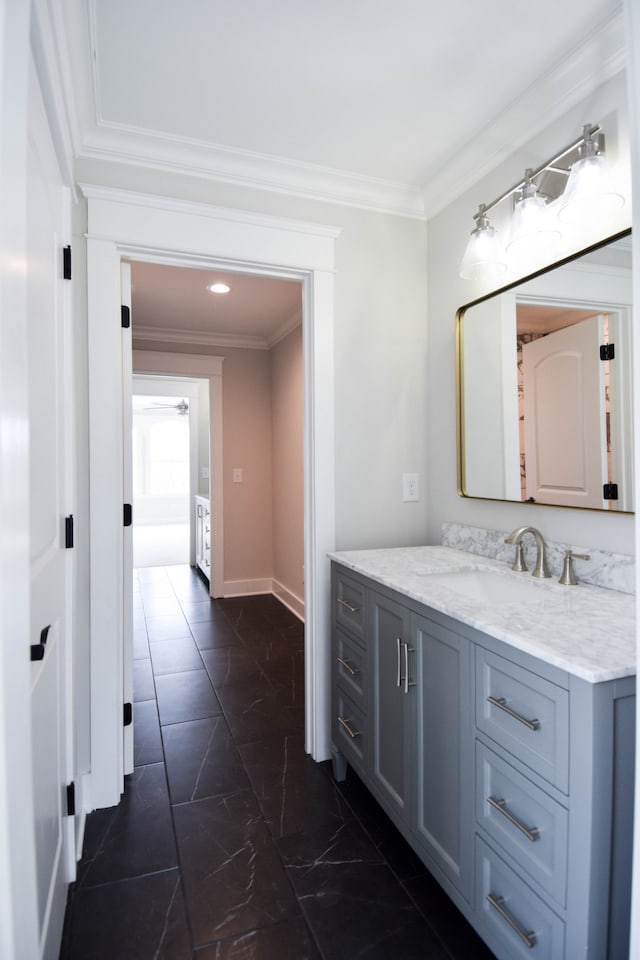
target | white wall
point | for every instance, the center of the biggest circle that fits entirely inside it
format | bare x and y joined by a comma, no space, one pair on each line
380,348
447,236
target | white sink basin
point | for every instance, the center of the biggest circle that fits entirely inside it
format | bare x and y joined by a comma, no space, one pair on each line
484,586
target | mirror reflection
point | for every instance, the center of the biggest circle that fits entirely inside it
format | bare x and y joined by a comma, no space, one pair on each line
544,385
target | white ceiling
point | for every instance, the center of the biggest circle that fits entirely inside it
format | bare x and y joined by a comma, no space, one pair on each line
172,304
395,106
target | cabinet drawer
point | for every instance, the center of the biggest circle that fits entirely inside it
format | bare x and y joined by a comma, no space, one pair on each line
350,730
350,667
527,823
349,599
526,714
517,924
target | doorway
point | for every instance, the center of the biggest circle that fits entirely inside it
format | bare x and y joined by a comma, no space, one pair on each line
170,466
121,227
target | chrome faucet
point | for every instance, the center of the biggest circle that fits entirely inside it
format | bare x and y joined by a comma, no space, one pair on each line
541,568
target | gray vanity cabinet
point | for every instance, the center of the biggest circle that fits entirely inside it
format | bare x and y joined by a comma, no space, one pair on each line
442,751
511,778
402,729
391,705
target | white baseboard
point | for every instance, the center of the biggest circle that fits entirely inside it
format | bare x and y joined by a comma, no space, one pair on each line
253,588
290,600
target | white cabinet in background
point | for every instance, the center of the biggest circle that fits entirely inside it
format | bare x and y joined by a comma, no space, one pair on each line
203,535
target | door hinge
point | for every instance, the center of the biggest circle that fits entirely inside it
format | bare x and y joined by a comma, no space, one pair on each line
125,316
68,531
66,263
71,799
127,715
127,517
610,491
607,351
37,649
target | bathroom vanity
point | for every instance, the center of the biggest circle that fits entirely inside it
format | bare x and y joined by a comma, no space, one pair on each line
493,716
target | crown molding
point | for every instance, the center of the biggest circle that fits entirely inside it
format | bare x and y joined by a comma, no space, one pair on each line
50,53
118,143
598,58
197,338
285,328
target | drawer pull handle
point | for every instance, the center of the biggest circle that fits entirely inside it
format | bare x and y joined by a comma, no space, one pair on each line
502,704
347,666
531,833
399,671
407,683
350,608
352,733
498,904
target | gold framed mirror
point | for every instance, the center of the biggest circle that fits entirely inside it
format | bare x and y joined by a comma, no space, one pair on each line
544,385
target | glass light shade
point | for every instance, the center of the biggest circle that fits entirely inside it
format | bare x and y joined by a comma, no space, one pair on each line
484,257
589,192
532,228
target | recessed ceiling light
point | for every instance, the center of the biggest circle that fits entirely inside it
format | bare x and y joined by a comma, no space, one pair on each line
219,288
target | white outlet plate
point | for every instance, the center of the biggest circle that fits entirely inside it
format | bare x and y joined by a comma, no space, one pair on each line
410,487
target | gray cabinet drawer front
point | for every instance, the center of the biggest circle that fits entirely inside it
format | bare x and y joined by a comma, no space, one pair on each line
350,667
542,850
349,605
523,908
532,721
350,730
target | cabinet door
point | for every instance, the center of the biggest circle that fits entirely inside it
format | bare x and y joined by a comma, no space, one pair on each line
443,751
390,706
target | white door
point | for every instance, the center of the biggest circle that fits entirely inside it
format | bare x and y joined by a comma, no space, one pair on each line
564,416
48,232
127,487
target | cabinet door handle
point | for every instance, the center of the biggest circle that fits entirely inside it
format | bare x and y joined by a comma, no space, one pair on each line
399,671
345,724
407,683
199,509
502,704
345,603
531,833
529,939
347,666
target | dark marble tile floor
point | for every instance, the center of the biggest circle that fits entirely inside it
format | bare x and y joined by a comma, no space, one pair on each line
230,843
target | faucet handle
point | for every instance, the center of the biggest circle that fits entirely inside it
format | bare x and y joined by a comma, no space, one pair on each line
568,576
519,564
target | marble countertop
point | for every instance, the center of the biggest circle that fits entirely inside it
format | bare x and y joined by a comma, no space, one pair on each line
586,630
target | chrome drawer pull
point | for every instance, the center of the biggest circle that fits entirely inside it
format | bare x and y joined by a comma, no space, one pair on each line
347,666
345,603
407,683
531,833
352,733
502,704
497,903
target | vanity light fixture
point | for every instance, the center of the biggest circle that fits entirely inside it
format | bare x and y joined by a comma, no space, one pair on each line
484,257
578,175
589,191
219,287
533,226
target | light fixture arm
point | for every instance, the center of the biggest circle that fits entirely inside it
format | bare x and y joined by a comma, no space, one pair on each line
589,131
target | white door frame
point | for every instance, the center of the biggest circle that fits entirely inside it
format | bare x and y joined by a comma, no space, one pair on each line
139,226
